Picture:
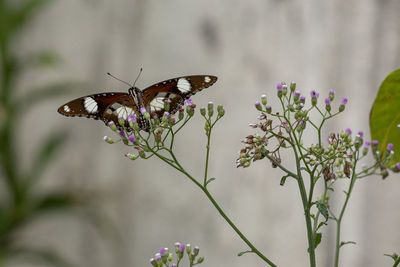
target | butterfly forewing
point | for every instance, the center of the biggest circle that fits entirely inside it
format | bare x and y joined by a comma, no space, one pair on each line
111,106
176,91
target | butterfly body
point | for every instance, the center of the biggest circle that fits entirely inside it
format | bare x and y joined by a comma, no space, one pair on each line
111,106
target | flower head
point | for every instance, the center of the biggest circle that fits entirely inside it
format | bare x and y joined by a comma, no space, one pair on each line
390,147
189,101
142,110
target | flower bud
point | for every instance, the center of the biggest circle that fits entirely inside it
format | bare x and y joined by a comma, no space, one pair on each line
343,104
292,86
268,109
200,260
203,111
112,126
121,121
132,139
258,105
188,248
196,250
328,104
108,140
296,96
331,94
264,99
279,89
284,89
131,156
220,110
131,120
314,97
210,108
181,113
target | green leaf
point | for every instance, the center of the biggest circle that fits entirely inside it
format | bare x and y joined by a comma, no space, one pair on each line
317,239
46,152
320,225
244,252
283,180
385,115
210,180
347,242
323,209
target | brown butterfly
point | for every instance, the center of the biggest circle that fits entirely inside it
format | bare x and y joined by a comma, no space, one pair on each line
111,106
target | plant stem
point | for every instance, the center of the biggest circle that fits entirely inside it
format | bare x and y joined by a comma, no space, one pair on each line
339,219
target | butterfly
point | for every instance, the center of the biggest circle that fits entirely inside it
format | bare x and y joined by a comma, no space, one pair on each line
112,106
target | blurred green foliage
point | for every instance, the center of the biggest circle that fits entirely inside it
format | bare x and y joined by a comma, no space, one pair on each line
385,115
21,205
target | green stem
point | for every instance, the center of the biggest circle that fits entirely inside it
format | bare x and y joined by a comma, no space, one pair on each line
396,263
339,219
208,133
215,204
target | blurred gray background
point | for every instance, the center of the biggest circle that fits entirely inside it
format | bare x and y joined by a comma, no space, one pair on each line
349,46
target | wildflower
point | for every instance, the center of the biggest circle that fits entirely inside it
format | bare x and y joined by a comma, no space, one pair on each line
189,102
296,96
203,111
142,110
314,97
268,109
302,99
279,89
343,104
284,89
331,94
390,147
328,104
292,86
132,139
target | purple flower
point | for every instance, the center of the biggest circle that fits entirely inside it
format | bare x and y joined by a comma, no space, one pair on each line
348,130
367,144
327,101
189,101
157,257
181,248
314,94
279,87
398,165
163,251
132,139
361,134
166,114
374,142
122,133
302,99
344,101
331,92
132,118
390,147
142,110
257,104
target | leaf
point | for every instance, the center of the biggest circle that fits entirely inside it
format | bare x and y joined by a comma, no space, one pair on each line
244,252
385,115
283,180
210,180
317,239
46,152
322,208
346,243
320,225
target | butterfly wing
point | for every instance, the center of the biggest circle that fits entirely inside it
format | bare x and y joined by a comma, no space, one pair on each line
105,106
175,90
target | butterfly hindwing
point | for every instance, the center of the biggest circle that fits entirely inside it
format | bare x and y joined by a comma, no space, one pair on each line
176,91
105,106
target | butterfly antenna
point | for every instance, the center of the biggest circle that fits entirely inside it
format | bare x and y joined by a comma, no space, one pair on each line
140,72
119,79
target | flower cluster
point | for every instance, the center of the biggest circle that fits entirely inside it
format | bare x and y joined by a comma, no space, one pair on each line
282,130
147,132
165,258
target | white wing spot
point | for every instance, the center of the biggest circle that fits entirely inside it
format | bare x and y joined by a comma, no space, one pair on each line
66,108
124,112
157,104
184,85
207,79
90,105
